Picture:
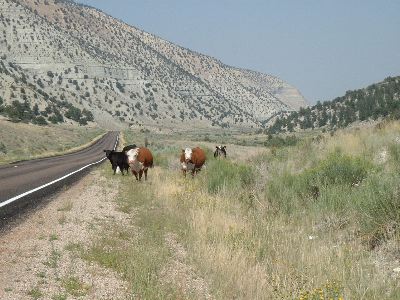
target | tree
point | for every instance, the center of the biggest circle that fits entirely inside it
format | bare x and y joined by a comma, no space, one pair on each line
73,113
40,121
88,115
35,109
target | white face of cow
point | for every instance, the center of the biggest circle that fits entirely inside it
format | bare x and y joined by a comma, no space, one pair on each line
188,154
132,155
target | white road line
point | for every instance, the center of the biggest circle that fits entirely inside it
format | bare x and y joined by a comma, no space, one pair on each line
2,204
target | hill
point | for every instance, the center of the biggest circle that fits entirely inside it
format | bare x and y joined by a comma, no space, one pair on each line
80,55
375,101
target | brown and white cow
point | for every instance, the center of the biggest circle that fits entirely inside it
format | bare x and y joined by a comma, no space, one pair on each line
192,160
140,159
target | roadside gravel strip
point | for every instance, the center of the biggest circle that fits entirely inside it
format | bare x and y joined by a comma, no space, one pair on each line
28,181
40,258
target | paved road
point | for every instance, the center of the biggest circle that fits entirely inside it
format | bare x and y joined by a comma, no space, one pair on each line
19,178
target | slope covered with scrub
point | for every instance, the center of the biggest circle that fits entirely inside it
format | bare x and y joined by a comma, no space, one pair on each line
316,220
123,74
378,100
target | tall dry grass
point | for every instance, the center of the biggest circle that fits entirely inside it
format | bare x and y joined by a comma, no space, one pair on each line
20,141
318,220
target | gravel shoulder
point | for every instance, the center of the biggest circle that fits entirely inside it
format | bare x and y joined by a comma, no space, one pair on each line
39,257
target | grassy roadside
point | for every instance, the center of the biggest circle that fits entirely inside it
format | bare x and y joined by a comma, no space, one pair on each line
318,220
24,142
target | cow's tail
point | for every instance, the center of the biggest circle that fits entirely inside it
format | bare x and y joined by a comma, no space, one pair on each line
118,170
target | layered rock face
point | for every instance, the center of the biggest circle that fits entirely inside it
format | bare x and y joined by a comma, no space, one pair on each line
122,74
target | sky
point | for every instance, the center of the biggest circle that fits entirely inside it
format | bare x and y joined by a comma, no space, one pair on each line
322,47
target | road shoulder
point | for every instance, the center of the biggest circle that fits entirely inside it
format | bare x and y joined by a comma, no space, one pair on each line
40,257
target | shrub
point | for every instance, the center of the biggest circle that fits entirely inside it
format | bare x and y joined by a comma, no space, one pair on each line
379,205
88,115
331,182
394,150
225,175
39,121
3,148
276,141
73,113
338,168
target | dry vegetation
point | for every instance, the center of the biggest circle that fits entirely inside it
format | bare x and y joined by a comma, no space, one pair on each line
20,141
318,220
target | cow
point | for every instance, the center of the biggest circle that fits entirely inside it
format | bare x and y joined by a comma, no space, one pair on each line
192,160
129,147
118,160
220,151
140,160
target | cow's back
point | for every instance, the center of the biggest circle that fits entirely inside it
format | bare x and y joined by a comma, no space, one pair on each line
145,157
198,157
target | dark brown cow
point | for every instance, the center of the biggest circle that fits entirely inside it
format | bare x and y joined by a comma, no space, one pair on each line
192,160
140,159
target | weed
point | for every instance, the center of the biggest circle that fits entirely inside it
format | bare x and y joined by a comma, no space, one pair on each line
35,293
75,287
53,237
59,297
53,259
67,206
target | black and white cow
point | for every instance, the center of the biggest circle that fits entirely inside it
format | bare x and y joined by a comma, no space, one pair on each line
220,151
118,160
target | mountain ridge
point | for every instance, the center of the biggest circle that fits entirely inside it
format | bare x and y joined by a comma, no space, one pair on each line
377,100
162,82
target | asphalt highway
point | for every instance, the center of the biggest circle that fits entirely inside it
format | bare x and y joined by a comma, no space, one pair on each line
26,180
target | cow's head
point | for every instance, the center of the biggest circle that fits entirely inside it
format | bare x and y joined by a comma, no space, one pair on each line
188,154
132,155
108,152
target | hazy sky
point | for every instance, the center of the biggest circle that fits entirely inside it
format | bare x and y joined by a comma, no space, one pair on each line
322,47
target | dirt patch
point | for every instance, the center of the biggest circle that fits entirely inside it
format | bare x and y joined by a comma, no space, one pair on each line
40,258
182,276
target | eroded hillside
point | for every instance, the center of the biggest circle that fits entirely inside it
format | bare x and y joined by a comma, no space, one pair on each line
123,74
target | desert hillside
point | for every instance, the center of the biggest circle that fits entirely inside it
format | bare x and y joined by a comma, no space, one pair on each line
60,51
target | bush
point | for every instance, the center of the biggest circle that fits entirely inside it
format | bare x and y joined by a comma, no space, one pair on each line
3,148
225,175
338,168
276,141
394,150
88,115
379,205
329,185
74,113
39,121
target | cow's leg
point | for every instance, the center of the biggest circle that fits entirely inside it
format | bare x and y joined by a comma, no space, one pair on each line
184,172
145,174
134,173
140,175
114,167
